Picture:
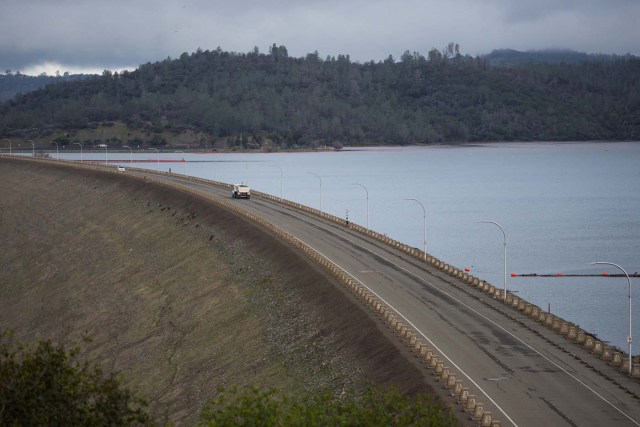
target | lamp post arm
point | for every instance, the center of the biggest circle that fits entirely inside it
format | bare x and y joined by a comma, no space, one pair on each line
504,243
629,338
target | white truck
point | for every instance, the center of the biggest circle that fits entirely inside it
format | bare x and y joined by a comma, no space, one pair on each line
241,191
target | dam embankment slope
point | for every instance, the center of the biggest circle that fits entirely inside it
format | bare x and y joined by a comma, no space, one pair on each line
178,294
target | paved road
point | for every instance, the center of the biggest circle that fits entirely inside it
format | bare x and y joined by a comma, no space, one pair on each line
525,374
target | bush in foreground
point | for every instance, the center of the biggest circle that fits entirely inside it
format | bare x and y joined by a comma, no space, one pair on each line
47,385
254,407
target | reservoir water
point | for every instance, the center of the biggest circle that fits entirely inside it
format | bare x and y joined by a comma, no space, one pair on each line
562,206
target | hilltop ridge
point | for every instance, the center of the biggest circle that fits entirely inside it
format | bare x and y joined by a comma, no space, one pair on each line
270,100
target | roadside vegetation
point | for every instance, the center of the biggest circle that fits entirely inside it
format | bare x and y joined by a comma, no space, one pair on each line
45,384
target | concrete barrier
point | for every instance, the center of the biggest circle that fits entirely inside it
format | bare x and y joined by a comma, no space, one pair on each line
564,328
635,371
486,419
509,299
535,312
457,388
478,411
401,329
451,382
412,340
438,369
463,397
624,367
428,356
549,319
589,342
423,351
393,322
470,406
598,347
616,358
433,362
528,309
607,353
444,375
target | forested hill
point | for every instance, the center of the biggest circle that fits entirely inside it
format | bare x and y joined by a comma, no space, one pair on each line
13,84
274,99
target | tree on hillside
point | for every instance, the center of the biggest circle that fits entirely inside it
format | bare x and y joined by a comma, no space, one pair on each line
48,385
445,97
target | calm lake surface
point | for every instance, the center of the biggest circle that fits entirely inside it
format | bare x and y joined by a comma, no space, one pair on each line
562,206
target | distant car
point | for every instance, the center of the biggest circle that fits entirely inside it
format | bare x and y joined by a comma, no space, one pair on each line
241,191
121,169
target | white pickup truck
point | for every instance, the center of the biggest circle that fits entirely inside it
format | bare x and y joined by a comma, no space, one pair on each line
241,191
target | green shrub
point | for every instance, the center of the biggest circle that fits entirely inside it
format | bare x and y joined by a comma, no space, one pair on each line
376,407
48,385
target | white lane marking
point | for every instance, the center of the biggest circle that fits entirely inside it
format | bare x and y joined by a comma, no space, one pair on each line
419,331
473,310
479,314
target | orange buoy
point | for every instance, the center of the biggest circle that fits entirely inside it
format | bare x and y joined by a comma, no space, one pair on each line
513,274
467,269
604,273
559,274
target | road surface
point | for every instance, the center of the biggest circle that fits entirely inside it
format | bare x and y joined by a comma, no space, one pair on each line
524,373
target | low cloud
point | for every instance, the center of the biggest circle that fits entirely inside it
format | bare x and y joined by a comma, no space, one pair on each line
124,34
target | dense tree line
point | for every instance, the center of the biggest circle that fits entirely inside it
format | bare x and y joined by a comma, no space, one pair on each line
256,97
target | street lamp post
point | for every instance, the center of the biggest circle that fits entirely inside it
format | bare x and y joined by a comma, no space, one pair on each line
504,241
9,145
130,153
320,179
57,150
281,173
33,147
367,192
424,219
80,144
157,151
629,339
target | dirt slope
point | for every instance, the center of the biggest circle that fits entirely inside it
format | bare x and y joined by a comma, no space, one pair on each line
180,296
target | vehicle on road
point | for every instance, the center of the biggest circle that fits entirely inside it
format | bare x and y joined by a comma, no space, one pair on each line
241,191
121,169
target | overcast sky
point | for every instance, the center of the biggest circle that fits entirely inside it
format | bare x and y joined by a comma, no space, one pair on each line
87,35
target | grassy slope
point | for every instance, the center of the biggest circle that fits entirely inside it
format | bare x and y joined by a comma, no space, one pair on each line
180,296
